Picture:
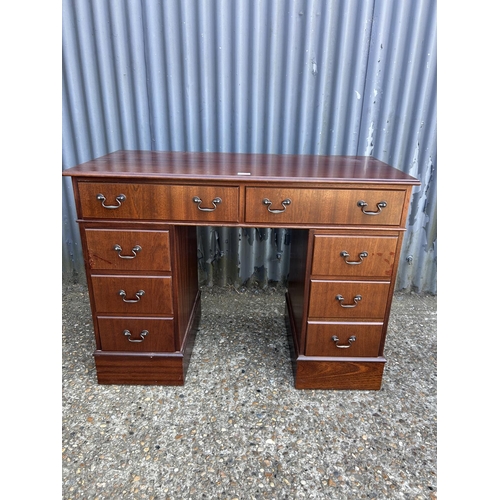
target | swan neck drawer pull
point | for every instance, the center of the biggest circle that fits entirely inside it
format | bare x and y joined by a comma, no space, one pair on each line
284,204
345,255
128,335
138,294
136,249
351,339
215,202
119,199
380,206
341,299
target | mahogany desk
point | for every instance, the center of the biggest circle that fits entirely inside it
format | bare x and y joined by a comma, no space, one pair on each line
138,212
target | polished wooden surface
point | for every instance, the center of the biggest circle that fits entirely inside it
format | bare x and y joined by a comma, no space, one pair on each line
219,204
323,303
159,202
298,285
343,375
231,166
167,194
329,261
154,253
322,206
320,339
148,368
185,282
157,298
159,337
139,369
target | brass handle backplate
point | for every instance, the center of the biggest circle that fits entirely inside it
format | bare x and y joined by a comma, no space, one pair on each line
138,294
380,206
136,249
215,202
128,335
345,255
284,204
119,199
351,339
341,299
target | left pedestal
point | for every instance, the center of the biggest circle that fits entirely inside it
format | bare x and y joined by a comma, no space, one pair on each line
143,288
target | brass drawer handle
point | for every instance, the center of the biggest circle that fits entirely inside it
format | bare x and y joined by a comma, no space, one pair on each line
215,202
119,199
351,339
341,299
380,206
136,249
128,335
138,294
345,254
284,204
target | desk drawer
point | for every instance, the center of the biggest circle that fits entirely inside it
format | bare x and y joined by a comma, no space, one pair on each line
350,256
324,206
100,200
343,339
136,334
348,299
133,294
129,250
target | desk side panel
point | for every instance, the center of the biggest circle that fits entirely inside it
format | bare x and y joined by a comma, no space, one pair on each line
185,273
298,283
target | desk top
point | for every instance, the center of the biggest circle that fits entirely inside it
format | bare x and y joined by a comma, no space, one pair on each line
240,167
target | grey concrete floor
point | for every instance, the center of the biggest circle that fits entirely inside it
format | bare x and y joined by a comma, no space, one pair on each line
238,429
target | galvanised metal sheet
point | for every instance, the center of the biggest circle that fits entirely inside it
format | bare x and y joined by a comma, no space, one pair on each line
275,76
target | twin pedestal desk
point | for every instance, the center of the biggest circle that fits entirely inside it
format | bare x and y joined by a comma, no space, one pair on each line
138,212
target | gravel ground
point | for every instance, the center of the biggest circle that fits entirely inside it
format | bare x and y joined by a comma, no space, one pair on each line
238,429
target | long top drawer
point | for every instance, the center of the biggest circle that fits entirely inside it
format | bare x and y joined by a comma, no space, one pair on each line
102,200
324,206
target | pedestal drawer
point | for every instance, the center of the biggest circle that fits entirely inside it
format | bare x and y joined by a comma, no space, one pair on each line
324,206
113,200
344,255
343,339
133,294
129,250
136,334
348,299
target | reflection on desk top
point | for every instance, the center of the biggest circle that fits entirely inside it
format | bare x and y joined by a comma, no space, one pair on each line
240,167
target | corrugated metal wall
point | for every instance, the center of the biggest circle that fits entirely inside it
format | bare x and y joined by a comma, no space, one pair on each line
276,76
